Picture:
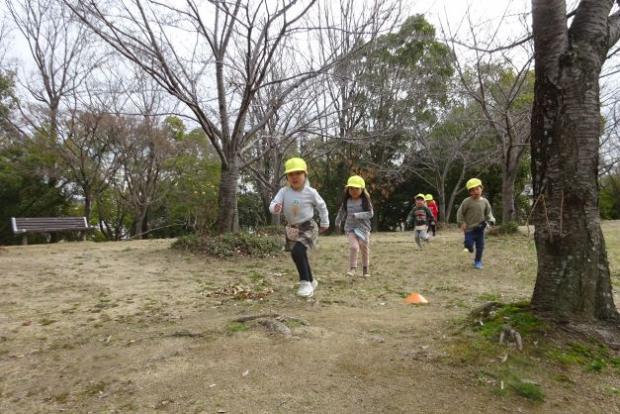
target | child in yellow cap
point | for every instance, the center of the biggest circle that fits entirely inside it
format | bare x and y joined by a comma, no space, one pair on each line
422,218
354,218
297,201
472,217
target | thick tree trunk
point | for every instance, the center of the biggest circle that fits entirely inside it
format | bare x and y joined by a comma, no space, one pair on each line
227,198
573,279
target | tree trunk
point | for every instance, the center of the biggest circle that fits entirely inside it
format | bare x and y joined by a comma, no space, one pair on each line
573,279
508,195
227,198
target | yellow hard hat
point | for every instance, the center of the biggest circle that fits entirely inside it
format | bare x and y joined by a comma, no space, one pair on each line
419,196
473,183
356,181
428,197
295,164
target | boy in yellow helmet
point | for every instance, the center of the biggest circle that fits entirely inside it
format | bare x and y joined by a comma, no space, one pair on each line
422,218
354,218
472,217
297,201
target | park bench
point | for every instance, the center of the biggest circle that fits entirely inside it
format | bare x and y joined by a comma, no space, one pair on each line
49,225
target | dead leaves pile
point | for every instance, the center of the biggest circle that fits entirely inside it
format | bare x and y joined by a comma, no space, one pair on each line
241,292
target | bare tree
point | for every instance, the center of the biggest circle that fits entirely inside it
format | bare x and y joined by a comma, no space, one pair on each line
455,144
63,57
501,86
231,44
573,279
279,138
89,154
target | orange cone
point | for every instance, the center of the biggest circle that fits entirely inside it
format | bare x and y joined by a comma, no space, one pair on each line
415,298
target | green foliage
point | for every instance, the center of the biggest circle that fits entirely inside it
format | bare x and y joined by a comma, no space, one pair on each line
235,327
592,356
517,315
231,244
609,196
25,191
511,227
252,212
529,390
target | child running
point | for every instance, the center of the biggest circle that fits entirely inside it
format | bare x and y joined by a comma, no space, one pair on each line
432,206
422,218
472,217
298,201
355,214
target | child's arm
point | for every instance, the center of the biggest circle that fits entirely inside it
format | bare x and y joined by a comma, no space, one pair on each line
320,205
364,215
429,216
489,213
275,207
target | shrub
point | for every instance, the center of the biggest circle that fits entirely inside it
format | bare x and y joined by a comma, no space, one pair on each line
511,227
231,244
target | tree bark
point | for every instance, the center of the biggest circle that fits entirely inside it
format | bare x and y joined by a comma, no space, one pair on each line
227,198
508,195
573,280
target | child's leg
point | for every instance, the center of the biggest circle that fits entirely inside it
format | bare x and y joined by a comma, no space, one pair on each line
365,250
300,257
417,238
469,240
479,243
354,248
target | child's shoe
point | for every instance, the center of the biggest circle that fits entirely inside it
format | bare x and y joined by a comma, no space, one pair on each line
365,272
351,272
305,289
478,264
466,250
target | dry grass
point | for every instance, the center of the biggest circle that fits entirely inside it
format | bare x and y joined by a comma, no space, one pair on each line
138,327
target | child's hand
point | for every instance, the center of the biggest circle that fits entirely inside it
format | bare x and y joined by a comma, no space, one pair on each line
463,227
323,229
277,208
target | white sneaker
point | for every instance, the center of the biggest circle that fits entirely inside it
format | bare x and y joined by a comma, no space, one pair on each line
351,272
305,289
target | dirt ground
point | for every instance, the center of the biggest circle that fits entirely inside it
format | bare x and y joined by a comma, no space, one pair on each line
138,327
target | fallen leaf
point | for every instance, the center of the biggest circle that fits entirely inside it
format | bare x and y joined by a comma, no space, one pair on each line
245,373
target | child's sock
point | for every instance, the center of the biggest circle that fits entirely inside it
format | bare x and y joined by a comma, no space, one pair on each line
365,269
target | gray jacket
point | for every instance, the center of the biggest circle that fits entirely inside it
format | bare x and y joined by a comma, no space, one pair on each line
353,217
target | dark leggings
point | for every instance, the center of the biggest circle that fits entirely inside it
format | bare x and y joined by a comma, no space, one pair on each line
300,257
473,238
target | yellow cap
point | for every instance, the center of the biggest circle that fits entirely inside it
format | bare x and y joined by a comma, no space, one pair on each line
473,183
428,197
356,181
295,164
419,196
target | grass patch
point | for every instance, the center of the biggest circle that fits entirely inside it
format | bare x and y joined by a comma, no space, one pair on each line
235,327
46,321
526,389
231,245
517,315
593,357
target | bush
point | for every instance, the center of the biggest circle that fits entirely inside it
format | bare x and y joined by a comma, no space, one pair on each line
231,244
511,227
